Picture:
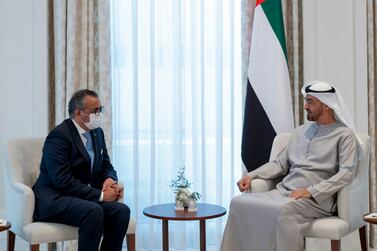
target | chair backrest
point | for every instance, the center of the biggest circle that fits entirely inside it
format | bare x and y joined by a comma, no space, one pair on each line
21,165
22,158
352,200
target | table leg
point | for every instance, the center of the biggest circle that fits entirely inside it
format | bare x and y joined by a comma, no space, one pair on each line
202,235
11,240
165,235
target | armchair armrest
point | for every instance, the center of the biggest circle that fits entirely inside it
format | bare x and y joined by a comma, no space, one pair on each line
20,203
262,185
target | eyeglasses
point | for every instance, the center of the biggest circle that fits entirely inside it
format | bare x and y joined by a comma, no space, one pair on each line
97,110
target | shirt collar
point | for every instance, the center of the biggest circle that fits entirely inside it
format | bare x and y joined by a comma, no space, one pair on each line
78,127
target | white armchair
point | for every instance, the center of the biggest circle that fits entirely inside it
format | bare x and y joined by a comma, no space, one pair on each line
352,200
21,163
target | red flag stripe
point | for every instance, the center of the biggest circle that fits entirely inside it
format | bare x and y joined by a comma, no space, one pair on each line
259,2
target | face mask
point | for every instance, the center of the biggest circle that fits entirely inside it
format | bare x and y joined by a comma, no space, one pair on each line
94,121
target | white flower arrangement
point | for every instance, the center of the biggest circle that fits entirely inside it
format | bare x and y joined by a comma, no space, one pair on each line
183,196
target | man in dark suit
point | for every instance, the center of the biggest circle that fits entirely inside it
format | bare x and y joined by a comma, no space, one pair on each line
77,184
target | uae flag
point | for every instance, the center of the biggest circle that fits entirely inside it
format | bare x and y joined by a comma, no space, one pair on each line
268,106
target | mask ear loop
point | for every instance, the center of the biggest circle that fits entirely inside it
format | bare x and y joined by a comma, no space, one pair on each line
83,120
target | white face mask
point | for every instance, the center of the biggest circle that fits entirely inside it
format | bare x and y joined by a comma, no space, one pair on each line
94,121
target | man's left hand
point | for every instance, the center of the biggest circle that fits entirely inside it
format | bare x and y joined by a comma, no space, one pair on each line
119,188
109,182
300,194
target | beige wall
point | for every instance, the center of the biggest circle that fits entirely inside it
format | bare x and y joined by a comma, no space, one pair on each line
335,50
23,71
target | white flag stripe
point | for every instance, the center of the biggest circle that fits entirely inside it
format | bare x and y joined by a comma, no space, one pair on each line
268,74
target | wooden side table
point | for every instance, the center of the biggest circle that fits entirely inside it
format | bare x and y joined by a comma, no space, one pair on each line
166,212
370,218
6,227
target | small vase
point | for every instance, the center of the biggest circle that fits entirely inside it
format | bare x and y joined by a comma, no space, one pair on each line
179,206
192,206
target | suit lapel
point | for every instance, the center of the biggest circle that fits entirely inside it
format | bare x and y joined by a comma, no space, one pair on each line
78,142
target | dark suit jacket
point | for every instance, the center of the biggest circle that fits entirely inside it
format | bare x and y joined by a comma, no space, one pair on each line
65,170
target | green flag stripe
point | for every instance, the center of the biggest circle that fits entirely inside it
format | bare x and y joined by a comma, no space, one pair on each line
274,14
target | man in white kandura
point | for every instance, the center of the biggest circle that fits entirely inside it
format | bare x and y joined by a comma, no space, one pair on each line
319,160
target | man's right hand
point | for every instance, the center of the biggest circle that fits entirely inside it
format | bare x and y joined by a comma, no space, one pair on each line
111,194
244,183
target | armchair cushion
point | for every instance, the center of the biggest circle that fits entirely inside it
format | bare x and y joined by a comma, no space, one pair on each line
42,232
328,228
131,226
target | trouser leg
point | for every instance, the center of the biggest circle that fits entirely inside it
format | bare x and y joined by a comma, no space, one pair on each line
86,215
294,219
116,219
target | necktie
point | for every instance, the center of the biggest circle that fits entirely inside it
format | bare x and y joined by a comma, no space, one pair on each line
89,147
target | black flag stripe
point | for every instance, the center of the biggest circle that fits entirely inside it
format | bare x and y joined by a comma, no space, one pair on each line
258,132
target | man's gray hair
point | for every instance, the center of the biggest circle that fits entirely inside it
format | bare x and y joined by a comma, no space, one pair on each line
77,100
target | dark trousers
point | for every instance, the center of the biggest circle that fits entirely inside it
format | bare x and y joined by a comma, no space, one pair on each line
94,220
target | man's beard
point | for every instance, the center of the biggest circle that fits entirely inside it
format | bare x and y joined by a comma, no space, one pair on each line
309,117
